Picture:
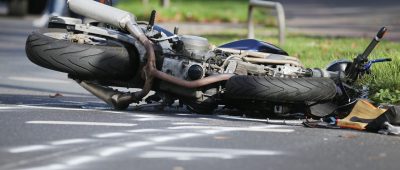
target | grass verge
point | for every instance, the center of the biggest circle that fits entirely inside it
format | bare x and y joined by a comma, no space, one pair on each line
233,11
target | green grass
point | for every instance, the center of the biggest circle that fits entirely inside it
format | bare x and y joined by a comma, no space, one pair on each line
233,11
319,51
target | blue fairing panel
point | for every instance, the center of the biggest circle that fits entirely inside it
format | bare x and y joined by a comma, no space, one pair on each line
254,45
160,29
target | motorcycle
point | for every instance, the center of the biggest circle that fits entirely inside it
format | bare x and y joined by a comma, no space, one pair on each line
112,49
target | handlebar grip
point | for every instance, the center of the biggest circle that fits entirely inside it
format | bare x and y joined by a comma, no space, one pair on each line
387,59
381,32
101,12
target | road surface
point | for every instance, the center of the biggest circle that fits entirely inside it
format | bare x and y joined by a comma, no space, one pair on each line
355,18
335,18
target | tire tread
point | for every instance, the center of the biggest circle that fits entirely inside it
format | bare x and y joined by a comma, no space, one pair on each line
274,89
80,60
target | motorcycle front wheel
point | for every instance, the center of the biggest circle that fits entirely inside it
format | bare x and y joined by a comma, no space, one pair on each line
108,60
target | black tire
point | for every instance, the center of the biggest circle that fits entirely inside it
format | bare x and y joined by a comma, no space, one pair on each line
81,61
17,7
280,90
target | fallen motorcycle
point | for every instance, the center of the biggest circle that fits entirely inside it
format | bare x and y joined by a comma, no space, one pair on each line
112,49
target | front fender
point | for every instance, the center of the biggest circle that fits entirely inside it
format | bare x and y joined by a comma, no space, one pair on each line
338,65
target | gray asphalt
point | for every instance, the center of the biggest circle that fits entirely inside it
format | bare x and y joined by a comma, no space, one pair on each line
335,18
78,131
355,18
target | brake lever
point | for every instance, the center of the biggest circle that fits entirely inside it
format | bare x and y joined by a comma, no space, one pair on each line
368,65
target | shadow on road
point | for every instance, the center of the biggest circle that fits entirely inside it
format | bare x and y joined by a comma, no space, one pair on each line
93,104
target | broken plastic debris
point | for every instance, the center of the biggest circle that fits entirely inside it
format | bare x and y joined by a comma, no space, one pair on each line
56,95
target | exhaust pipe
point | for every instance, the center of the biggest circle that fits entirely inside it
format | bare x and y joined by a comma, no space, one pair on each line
106,14
118,100
101,12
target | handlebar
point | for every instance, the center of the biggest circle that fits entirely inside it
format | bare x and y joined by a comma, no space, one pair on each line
373,43
381,32
357,67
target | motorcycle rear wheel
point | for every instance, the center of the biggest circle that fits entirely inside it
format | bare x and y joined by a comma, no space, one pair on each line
280,90
84,61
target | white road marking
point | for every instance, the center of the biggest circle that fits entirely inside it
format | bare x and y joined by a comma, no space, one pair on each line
184,114
118,112
110,135
210,132
166,152
137,144
192,127
115,150
251,129
80,123
190,153
54,108
145,130
187,135
80,160
8,108
144,116
48,167
232,151
183,156
151,119
74,102
28,148
111,151
261,120
68,109
70,141
174,137
186,123
270,126
163,138
40,80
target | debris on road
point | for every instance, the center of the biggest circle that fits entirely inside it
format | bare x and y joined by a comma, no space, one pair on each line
55,95
348,136
365,117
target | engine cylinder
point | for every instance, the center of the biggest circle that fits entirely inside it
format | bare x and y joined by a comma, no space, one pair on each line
195,47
